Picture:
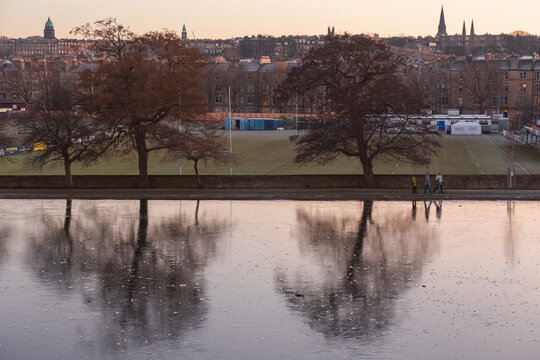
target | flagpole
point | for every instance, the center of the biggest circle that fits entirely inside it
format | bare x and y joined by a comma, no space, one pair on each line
230,127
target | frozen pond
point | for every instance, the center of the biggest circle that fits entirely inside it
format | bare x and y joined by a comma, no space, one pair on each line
269,280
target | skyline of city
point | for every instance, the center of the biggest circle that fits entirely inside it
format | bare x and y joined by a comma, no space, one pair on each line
209,19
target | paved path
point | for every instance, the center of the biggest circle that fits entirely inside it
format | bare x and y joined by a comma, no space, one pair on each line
266,194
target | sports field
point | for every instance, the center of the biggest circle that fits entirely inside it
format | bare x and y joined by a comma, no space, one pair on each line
271,153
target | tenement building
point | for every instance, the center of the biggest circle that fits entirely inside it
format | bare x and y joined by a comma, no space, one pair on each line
254,88
508,86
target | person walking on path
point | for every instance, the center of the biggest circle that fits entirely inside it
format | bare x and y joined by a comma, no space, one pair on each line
427,184
413,183
439,181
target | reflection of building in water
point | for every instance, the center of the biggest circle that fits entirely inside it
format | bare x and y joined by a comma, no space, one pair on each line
366,260
142,272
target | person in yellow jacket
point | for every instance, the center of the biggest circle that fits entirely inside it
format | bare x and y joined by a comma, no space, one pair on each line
413,183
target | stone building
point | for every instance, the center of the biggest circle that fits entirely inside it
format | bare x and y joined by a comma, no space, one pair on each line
509,86
20,79
46,46
254,86
461,44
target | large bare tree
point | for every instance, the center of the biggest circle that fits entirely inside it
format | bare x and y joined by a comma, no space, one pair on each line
371,109
147,84
67,135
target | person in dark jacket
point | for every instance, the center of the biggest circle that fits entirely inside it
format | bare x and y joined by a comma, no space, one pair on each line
427,184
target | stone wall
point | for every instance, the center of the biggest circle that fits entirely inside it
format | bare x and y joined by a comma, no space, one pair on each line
463,182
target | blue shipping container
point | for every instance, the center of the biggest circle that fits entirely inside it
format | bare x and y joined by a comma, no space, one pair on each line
269,124
236,123
259,124
250,124
279,123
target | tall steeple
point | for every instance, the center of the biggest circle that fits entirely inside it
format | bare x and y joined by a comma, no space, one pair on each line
472,27
442,26
184,32
464,31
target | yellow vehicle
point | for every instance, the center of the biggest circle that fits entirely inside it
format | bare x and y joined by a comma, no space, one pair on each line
40,146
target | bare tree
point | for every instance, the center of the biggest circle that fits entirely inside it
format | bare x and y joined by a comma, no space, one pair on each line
370,111
148,82
205,143
479,81
67,135
4,132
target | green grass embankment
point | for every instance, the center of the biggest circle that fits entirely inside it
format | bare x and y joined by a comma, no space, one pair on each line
271,153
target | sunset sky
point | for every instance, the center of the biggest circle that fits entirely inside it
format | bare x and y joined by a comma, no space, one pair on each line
224,19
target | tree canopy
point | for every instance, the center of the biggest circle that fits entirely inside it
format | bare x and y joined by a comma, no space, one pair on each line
149,84
369,108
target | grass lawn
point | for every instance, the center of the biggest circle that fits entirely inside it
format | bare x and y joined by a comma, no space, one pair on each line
271,153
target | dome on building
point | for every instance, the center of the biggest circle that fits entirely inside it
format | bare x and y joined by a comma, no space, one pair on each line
48,32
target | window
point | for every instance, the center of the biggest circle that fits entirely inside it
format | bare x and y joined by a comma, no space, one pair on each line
460,89
219,99
218,88
493,101
523,88
251,99
537,88
251,89
506,88
522,75
476,102
522,100
506,75
538,76
505,101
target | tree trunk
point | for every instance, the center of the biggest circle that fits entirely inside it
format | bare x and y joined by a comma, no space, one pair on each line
369,176
199,183
67,169
142,152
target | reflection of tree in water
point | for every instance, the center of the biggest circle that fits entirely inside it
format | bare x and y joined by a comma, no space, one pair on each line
364,268
144,276
5,232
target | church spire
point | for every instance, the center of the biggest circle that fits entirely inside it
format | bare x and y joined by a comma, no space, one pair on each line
442,26
472,27
464,31
184,32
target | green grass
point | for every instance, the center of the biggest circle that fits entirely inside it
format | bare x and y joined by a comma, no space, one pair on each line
271,153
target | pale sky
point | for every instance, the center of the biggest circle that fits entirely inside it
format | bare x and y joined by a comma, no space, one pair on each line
228,18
